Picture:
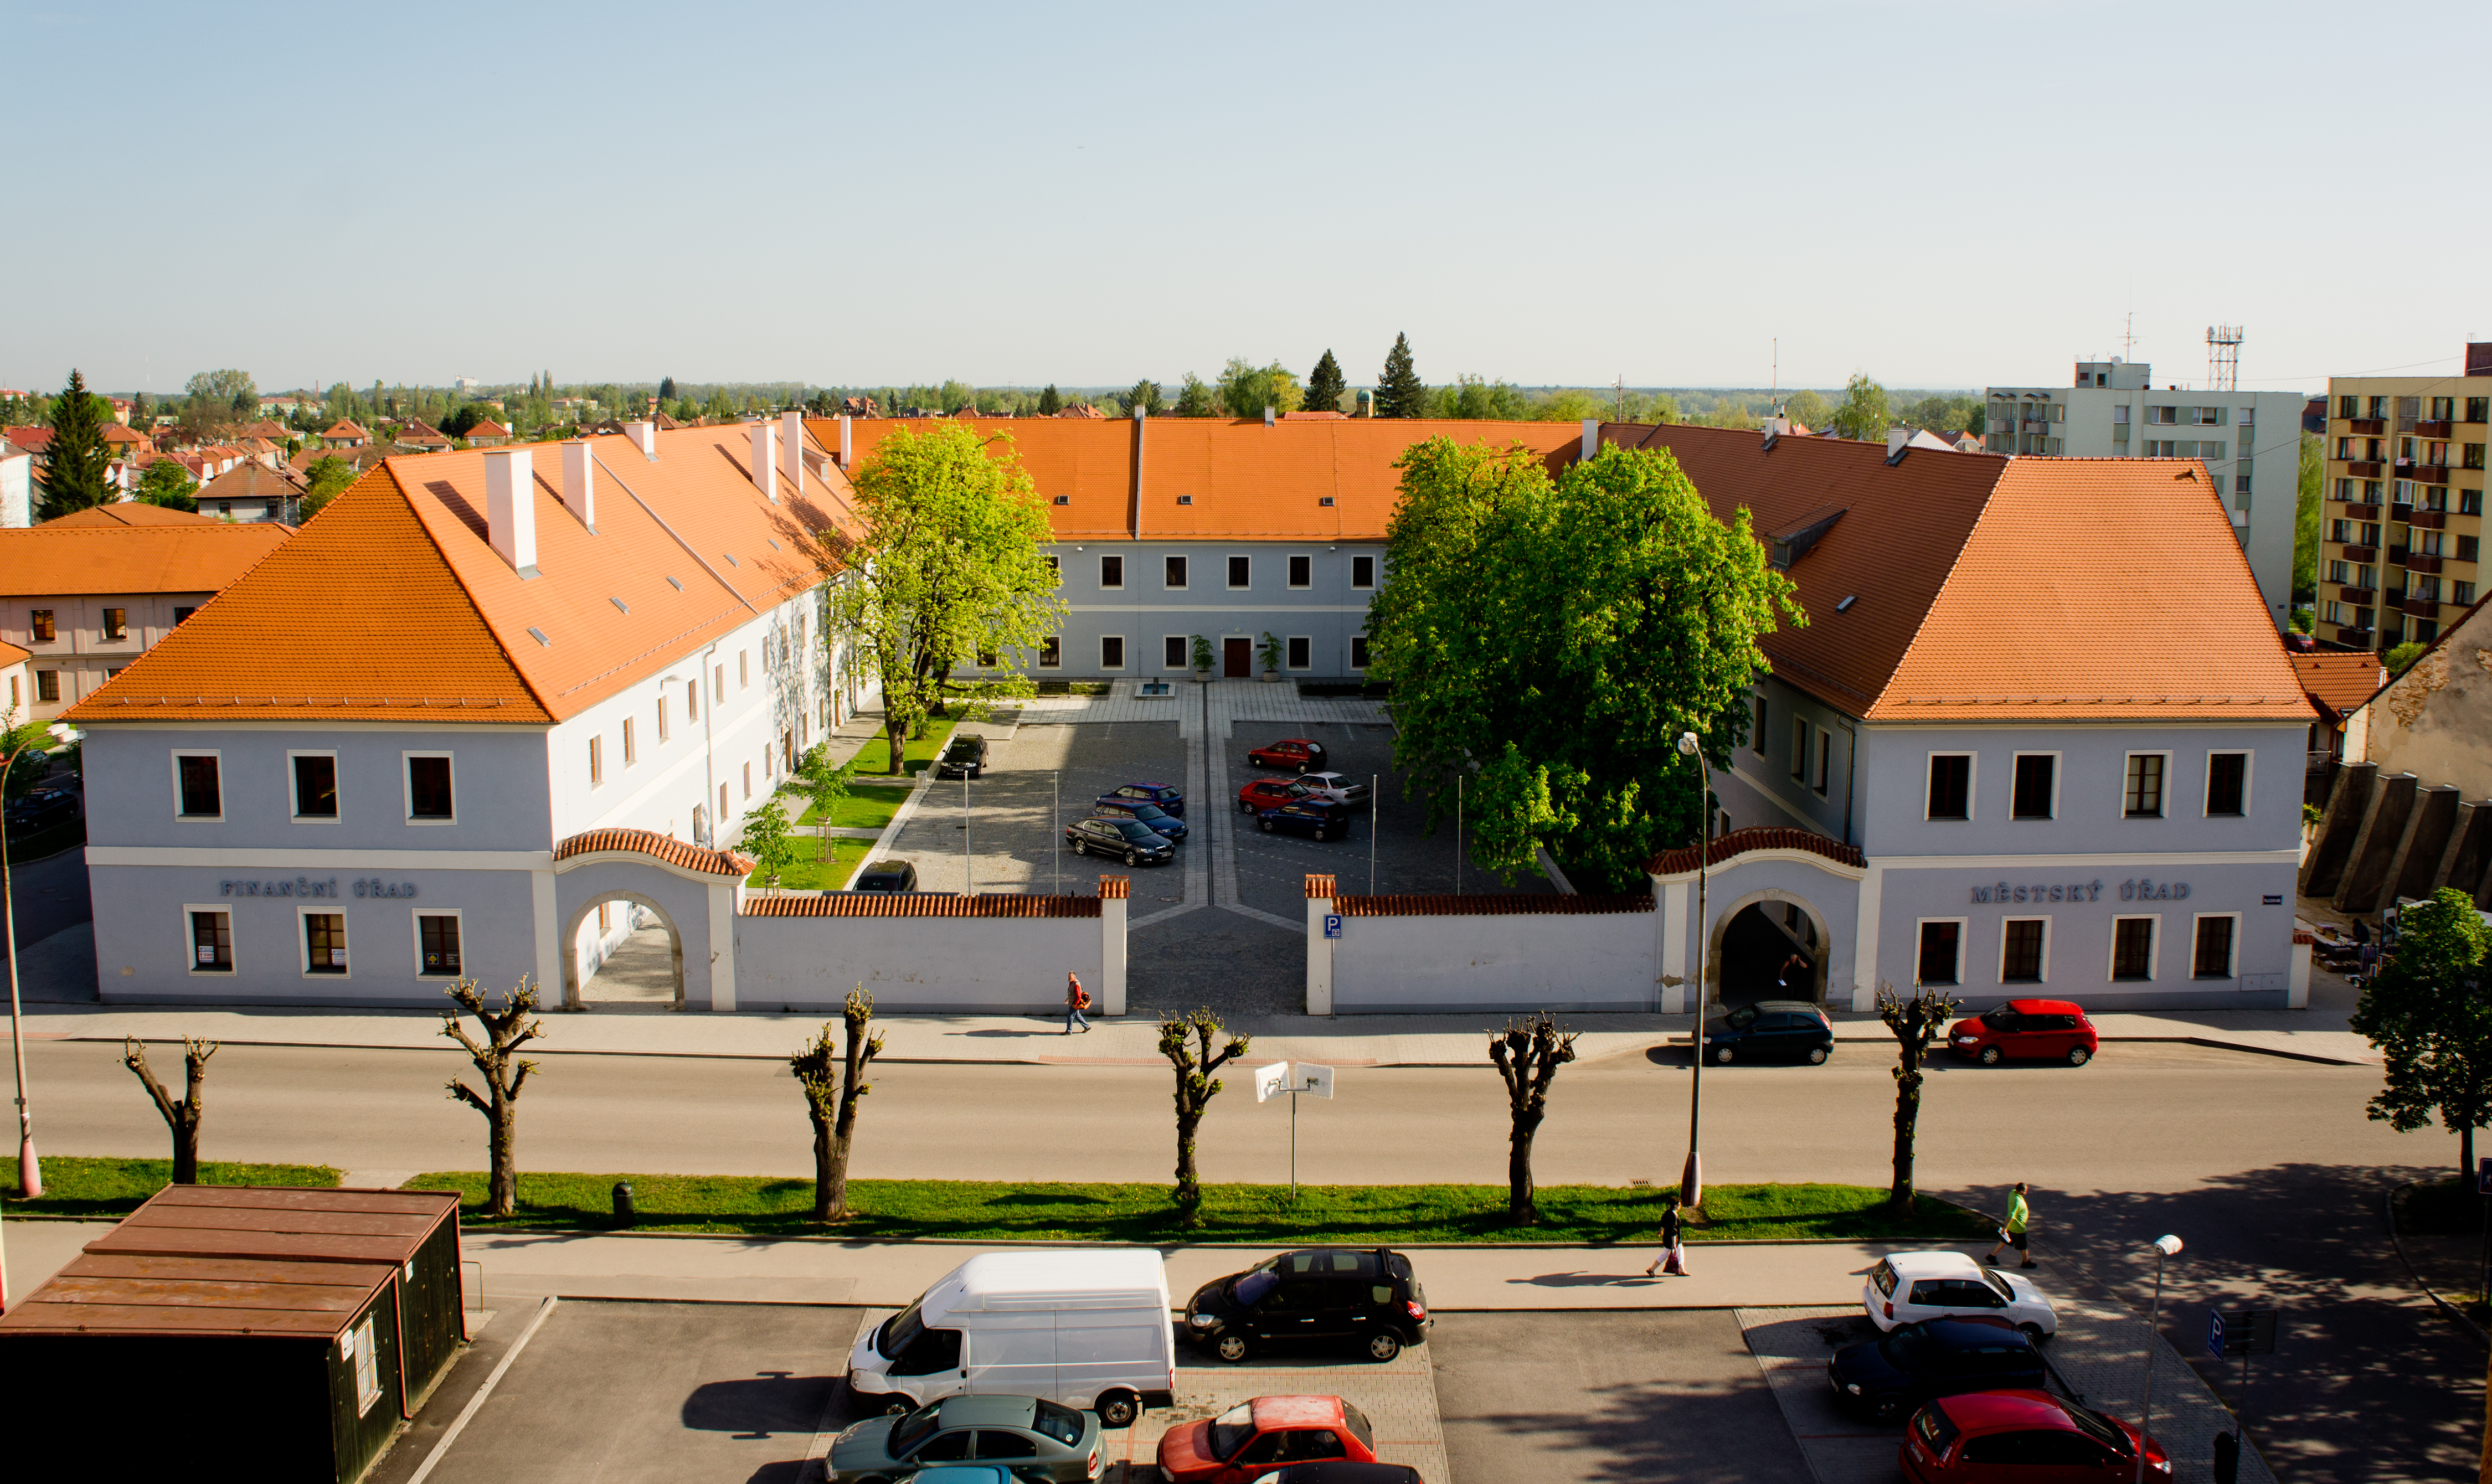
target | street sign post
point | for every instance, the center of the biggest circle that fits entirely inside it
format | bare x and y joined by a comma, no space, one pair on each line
1333,924
2245,1332
1302,1079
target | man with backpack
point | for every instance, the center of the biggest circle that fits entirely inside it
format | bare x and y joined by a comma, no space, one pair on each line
1076,1001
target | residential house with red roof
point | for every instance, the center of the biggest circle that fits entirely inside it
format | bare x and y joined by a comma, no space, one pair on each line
344,433
488,434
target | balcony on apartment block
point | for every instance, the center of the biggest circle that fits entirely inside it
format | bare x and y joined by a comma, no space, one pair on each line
2360,597
2361,511
2364,469
2360,638
2416,562
2362,556
2423,473
2367,427
2396,557
2422,608
2431,430
2423,520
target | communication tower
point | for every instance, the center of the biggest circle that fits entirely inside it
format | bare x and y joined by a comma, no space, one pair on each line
2223,358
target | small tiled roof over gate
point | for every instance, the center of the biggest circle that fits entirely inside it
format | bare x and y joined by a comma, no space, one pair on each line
1447,905
1724,848
880,903
662,847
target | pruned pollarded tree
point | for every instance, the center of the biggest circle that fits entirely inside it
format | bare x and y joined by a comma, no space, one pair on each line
1195,1087
832,1081
505,1072
182,1114
1527,1054
1919,1023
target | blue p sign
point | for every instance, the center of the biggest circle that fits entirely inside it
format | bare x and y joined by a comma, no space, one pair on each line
1332,928
2216,1333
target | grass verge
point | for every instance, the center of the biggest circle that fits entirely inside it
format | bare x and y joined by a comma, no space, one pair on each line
106,1188
810,874
915,757
871,809
2443,1208
981,1211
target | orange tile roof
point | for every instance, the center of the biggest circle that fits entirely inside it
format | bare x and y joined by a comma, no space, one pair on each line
343,429
128,513
419,617
106,557
486,428
1764,837
2337,683
665,847
883,904
116,432
11,654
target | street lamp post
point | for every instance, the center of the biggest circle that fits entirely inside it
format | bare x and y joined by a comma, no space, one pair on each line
2165,1246
1691,1177
30,1171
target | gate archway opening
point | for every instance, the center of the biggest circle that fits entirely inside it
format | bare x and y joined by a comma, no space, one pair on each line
1771,948
623,953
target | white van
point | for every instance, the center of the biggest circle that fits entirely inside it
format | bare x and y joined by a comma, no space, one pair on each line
1086,1328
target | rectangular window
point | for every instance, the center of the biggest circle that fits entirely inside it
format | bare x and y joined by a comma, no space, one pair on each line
1241,572
1941,958
48,685
1359,651
2471,455
211,942
1950,786
325,942
1172,652
1302,572
746,769
723,808
2143,798
1302,649
630,749
717,685
116,624
1051,653
2020,954
2213,957
1824,761
1175,575
2349,406
2460,593
315,784
436,943
428,788
182,615
2132,948
45,631
198,791
663,729
2163,416
744,669
1056,570
1799,749
1362,572
691,700
367,1368
1111,572
2228,783
595,762
2477,407
1112,651
2037,785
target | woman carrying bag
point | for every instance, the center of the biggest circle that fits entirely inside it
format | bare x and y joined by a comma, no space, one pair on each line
1672,1261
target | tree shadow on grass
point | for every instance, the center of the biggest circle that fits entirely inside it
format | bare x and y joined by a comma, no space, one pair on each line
2369,1381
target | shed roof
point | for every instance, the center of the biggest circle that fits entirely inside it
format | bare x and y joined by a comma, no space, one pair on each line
236,1260
2338,682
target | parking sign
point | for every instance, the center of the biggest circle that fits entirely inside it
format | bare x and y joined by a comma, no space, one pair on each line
1332,928
2216,1333
2484,1176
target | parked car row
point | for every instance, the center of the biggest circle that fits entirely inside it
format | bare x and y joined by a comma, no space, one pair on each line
1798,1031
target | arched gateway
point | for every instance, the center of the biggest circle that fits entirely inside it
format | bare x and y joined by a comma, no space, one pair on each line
690,889
1782,909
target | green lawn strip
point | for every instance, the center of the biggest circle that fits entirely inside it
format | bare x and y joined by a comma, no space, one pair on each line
870,809
811,874
915,757
115,1187
983,1211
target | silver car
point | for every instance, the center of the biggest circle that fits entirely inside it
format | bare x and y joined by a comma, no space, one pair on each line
1034,1439
1336,786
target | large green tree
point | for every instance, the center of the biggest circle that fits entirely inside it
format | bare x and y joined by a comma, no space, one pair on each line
2308,481
1808,409
1478,399
1247,389
74,472
1051,401
1144,400
1195,398
1555,638
167,482
1863,412
949,566
2428,1011
1324,385
1398,392
327,475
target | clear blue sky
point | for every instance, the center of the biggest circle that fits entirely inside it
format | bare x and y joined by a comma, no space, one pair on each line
1940,194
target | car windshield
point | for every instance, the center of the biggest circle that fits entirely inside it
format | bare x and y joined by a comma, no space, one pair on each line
1359,1426
1248,1287
1998,1284
912,1430
1061,1423
2000,1019
1134,829
1910,1348
900,1331
1742,1017
963,747
1149,812
1231,1430
1883,1276
2096,1426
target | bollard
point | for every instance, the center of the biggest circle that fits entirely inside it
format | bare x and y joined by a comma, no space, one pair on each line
2228,1457
624,1214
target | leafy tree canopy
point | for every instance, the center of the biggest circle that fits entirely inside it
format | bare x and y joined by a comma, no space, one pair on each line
1398,392
1324,386
1808,409
2427,1012
1246,390
1473,398
169,483
327,475
1143,398
2398,658
1049,401
224,391
1863,413
1557,637
1194,399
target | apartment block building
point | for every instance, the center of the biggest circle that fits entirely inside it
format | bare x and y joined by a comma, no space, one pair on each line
2402,528
2249,441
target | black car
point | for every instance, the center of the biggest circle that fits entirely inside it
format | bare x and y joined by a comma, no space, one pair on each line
1152,815
42,809
887,876
1365,1300
1910,1364
1130,839
1772,1030
1320,818
965,757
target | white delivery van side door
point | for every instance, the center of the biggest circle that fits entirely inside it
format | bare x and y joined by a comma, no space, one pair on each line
1010,1352
930,1367
1110,1350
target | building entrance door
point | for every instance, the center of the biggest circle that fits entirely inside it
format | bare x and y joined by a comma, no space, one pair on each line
1767,955
1237,658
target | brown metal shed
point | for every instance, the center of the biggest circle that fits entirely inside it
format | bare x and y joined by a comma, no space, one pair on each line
283,1331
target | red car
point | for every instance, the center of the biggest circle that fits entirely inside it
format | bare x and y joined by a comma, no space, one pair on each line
1253,1439
1271,793
1996,1437
2026,1031
1300,752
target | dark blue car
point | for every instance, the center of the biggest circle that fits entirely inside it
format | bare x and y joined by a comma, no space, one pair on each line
1161,794
1322,819
1152,815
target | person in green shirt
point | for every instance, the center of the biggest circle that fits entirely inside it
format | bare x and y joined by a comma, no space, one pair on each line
2011,1234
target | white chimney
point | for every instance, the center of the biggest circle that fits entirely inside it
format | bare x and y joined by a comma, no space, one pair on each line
1591,440
765,461
791,425
1896,438
510,507
580,482
644,437
1269,413
847,459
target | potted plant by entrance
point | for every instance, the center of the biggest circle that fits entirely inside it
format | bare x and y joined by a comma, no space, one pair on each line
1201,660
1270,653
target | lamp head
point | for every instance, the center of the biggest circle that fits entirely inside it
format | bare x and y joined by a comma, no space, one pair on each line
1688,744
2167,1246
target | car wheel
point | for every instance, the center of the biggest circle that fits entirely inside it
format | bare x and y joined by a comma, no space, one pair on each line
1722,1055
1232,1347
1817,1056
2036,1333
898,1406
1080,849
1132,859
1245,808
1989,1056
2078,1055
1320,837
1268,826
1383,1346
1119,1408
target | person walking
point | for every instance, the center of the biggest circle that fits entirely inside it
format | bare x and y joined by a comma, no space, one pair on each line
1795,966
1076,1001
1674,1252
2011,1234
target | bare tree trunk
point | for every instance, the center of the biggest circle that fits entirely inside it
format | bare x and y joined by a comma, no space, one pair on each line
1908,1117
505,1072
831,1092
1527,1054
1916,1024
1195,1087
182,1115
2465,1152
1520,1207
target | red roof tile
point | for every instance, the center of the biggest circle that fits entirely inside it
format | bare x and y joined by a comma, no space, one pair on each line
881,903
665,847
1449,905
1724,848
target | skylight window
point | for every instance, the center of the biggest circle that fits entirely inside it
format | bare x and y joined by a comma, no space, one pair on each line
620,604
731,559
538,635
677,587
